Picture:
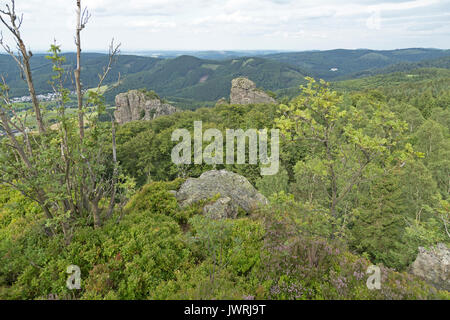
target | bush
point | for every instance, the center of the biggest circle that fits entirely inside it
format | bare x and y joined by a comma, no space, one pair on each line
300,265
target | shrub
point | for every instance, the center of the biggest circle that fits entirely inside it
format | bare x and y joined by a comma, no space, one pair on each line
301,265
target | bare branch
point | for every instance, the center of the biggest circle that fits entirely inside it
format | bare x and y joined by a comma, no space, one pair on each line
114,51
23,59
85,18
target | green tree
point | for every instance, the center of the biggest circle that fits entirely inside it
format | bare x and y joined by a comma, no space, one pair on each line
65,170
346,143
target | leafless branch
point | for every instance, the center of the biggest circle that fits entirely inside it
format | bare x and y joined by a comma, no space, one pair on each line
114,51
23,58
85,18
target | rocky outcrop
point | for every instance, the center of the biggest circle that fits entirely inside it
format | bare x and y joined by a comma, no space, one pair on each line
244,91
140,105
433,265
235,192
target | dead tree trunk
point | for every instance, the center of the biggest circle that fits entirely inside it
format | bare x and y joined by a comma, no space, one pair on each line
23,59
81,23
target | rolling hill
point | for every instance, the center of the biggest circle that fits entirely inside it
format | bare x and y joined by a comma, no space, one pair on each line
191,78
351,62
185,79
441,63
190,82
93,64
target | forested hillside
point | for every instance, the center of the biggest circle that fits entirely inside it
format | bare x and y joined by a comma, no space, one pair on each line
441,63
152,248
188,81
351,62
183,77
203,80
324,176
92,67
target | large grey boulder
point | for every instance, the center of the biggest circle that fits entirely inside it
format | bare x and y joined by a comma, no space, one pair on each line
433,265
235,192
139,105
244,91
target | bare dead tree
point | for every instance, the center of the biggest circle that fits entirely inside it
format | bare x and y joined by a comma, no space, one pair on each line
13,23
82,20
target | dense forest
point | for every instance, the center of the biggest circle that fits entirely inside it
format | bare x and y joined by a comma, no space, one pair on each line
364,177
395,206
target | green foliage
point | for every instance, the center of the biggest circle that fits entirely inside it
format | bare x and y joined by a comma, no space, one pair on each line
381,154
425,89
281,254
93,64
227,242
299,265
268,185
150,94
144,148
344,141
136,258
226,254
124,260
154,197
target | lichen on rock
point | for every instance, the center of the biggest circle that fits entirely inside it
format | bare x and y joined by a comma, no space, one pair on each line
433,265
140,105
235,192
244,91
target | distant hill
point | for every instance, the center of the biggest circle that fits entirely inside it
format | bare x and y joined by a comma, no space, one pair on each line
209,55
350,62
413,78
191,82
208,80
93,64
184,78
442,63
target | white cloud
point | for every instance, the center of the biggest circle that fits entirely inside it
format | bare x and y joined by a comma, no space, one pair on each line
152,24
240,24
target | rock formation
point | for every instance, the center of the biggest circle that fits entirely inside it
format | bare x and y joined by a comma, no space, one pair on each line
235,193
244,91
140,105
433,265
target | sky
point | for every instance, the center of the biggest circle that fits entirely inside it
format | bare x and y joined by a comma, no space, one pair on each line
294,25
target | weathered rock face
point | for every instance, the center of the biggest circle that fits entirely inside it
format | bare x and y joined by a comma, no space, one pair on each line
244,91
434,266
223,208
235,192
136,105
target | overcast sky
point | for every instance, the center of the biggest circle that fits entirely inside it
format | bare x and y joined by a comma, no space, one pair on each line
240,24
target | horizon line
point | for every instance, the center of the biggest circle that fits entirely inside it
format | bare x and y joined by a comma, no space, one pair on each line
102,51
